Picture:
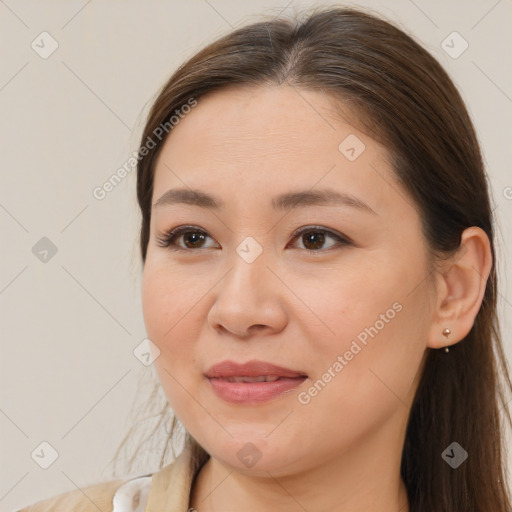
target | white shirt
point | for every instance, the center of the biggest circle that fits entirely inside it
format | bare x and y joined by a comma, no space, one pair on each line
132,496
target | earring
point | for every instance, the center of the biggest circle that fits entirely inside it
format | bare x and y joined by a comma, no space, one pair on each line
446,334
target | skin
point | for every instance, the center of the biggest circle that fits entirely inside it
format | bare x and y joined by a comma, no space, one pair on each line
342,450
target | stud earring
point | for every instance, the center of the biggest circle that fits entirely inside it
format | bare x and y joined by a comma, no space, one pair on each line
446,334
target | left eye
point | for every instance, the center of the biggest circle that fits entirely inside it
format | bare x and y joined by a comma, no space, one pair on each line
313,239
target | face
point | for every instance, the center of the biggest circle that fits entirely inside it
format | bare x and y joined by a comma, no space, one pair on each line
332,289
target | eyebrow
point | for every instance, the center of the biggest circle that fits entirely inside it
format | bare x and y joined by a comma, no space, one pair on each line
283,202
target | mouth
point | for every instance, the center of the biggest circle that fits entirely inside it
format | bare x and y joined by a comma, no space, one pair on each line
261,378
252,382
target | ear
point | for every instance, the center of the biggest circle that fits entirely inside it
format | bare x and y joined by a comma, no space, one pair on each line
460,288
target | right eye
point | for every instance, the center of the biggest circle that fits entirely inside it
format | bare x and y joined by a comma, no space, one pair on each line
191,236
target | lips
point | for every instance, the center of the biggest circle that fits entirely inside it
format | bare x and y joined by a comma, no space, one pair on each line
252,382
227,369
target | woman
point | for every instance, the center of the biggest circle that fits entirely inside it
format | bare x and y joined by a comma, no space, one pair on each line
319,282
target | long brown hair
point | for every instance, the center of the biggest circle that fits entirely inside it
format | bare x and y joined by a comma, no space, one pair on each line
405,99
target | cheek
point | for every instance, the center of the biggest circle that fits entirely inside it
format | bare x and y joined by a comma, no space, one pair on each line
167,297
367,373
350,299
171,322
168,304
372,320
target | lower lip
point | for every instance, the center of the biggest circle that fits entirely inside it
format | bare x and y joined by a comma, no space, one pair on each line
252,392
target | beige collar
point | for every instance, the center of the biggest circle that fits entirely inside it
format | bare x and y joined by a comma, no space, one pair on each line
171,486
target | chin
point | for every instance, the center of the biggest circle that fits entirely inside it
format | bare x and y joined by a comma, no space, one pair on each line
253,454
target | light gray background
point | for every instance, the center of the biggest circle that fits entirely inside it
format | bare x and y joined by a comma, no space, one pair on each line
70,324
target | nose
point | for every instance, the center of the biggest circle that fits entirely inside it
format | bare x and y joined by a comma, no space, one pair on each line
249,301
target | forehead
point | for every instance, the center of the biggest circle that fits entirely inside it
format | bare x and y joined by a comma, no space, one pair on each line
270,117
252,141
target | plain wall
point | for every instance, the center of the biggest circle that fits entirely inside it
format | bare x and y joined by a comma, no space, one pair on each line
69,121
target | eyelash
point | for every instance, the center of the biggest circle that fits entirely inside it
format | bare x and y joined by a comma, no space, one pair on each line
168,238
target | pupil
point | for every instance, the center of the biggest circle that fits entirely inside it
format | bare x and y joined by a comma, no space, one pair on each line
317,239
195,237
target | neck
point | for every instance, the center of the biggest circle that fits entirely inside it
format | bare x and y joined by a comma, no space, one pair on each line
365,479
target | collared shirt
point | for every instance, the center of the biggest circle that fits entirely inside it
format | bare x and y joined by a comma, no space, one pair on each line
166,490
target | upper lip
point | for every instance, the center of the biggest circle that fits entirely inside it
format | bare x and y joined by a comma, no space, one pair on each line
250,369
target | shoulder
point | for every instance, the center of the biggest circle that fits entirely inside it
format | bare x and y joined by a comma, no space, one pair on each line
114,496
167,489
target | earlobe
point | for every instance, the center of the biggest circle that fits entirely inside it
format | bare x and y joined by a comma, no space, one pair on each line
460,288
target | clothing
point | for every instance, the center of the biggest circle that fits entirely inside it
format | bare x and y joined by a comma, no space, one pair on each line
166,490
